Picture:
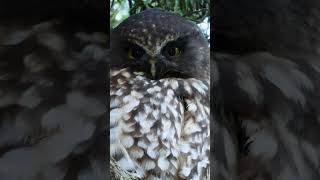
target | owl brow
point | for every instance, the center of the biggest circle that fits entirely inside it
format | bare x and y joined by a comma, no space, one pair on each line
144,48
180,41
135,43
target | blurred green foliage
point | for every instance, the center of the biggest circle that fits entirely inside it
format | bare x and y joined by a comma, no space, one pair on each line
195,10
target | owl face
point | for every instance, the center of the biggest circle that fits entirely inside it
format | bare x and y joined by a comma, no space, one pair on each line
160,44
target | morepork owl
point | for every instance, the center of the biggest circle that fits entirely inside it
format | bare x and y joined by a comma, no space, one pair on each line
159,97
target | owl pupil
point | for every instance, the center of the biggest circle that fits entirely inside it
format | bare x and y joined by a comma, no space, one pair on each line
171,51
174,51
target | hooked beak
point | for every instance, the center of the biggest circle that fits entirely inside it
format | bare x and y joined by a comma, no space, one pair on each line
153,63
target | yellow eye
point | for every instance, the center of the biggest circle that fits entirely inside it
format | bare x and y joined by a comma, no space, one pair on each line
135,52
174,52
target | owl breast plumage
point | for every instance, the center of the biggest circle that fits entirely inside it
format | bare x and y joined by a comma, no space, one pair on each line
159,129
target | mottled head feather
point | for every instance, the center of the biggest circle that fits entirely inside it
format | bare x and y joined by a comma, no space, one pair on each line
149,30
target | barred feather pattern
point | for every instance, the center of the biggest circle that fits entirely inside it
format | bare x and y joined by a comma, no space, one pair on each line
268,116
159,129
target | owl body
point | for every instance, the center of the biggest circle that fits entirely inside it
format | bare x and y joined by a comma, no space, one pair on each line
159,90
159,129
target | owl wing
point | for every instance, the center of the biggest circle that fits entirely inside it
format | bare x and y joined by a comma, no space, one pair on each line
52,82
268,116
159,128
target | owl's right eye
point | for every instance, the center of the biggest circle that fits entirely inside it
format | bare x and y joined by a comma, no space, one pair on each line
135,52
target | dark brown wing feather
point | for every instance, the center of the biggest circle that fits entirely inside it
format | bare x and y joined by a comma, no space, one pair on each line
266,62
52,85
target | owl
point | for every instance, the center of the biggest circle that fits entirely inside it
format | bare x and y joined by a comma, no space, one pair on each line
159,97
265,88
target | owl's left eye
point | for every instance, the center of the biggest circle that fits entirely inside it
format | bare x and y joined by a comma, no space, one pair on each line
135,52
174,51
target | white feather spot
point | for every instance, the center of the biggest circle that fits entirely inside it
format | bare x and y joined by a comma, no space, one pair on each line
142,144
192,107
152,153
120,81
187,88
136,153
136,94
174,84
184,147
146,125
126,164
127,141
130,106
163,108
175,152
115,115
163,164
191,127
148,164
185,171
126,74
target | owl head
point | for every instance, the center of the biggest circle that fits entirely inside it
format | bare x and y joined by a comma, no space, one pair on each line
160,44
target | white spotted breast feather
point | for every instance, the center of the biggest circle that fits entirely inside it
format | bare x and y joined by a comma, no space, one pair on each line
159,129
